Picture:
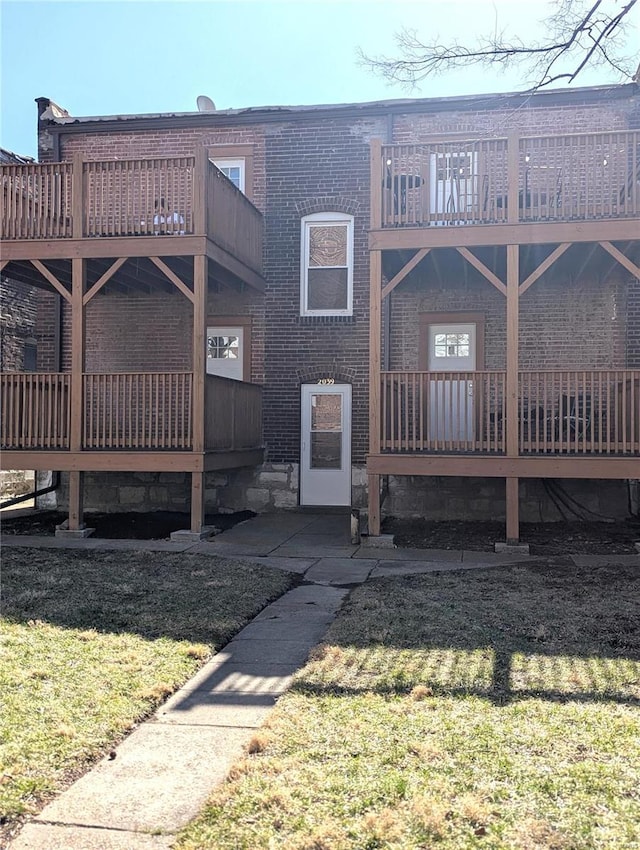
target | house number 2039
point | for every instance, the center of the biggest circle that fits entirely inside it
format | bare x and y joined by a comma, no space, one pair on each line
327,381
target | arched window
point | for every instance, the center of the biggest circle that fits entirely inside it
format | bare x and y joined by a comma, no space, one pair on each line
326,279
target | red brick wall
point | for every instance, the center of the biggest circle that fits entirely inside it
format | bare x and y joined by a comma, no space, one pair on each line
17,322
563,324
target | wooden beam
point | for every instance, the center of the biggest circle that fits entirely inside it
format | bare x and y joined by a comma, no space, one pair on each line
113,247
115,461
53,280
97,286
544,265
480,266
620,257
499,466
404,271
512,510
524,233
78,272
175,280
512,350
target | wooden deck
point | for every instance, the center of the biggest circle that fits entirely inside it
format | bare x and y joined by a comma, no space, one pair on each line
118,208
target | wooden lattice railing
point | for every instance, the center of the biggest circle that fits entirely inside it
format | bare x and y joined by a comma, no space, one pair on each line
572,412
578,176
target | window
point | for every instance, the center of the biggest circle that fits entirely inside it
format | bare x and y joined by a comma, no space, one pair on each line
452,345
236,163
233,169
327,265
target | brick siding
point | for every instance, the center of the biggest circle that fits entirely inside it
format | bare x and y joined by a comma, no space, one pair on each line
18,309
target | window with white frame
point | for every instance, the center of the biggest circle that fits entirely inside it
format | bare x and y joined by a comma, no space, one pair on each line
234,169
327,265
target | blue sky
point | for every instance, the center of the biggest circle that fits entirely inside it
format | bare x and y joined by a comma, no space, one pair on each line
122,57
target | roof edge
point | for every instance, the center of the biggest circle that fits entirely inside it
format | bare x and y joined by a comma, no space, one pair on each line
67,123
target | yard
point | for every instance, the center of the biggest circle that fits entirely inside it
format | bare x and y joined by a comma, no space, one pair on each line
92,642
490,709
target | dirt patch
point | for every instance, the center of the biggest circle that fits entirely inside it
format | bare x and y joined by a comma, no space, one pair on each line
154,525
549,538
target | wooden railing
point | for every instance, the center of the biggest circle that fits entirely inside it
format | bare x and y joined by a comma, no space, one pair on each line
138,410
580,176
36,201
237,224
233,414
138,197
559,412
580,412
443,411
34,410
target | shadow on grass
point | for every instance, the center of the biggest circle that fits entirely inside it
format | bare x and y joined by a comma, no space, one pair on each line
560,633
183,597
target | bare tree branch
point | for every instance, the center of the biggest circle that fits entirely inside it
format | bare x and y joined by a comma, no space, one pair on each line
581,34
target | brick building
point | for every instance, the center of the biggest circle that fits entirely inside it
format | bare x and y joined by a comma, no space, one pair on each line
436,296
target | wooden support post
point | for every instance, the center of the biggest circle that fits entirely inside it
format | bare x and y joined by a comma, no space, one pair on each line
78,271
375,331
513,176
376,172
199,375
200,188
513,305
513,301
373,482
513,511
77,196
76,509
197,501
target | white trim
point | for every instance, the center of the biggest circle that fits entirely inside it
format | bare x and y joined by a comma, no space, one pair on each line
327,219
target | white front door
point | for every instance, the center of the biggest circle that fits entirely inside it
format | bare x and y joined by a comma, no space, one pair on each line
325,459
225,352
452,348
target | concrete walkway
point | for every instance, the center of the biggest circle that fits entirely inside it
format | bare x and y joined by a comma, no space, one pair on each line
165,770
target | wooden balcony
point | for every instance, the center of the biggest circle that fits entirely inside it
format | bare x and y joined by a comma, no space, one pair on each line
513,180
569,413
49,204
132,413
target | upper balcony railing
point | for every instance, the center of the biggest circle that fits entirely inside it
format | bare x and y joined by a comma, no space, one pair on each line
172,196
515,179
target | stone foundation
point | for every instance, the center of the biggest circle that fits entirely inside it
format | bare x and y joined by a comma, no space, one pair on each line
445,498
274,486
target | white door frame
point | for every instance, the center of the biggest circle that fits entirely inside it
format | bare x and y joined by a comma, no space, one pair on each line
328,480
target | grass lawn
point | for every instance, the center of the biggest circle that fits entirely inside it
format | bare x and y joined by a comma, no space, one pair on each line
485,709
91,642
